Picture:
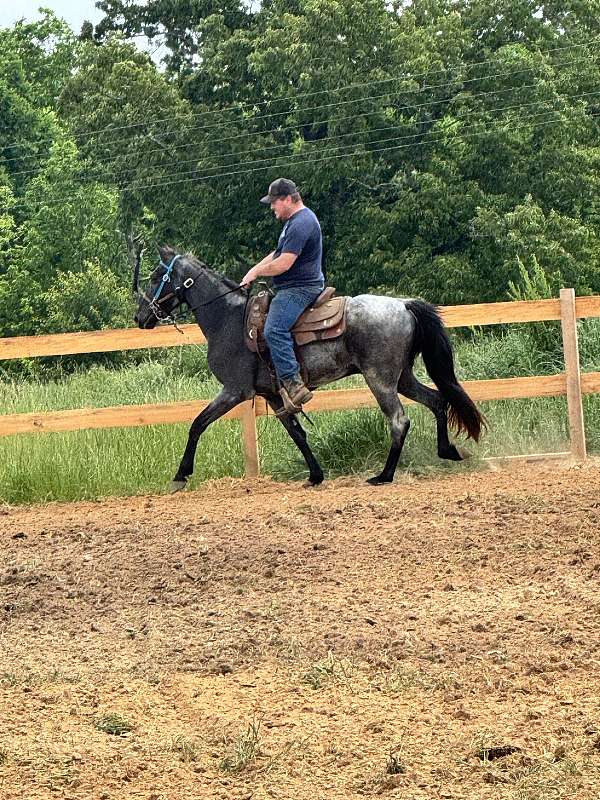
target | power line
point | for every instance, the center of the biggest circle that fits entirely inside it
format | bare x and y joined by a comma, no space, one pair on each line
356,100
131,126
288,161
407,107
337,137
37,170
302,156
318,143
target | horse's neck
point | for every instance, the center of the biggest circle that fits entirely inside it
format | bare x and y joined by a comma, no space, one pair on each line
212,310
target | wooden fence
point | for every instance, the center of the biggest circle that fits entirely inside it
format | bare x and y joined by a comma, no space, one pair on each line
571,382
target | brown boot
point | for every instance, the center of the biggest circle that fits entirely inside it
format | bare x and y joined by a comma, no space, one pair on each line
294,394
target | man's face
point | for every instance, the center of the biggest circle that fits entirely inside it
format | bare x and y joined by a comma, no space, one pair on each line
282,207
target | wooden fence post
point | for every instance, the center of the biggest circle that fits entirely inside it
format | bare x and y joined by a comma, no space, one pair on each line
568,321
250,440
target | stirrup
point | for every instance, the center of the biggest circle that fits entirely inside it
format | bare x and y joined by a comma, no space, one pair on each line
288,406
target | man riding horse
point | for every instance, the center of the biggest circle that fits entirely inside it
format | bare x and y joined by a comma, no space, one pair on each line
378,337
296,268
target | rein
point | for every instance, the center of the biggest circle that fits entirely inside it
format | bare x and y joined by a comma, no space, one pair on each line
241,287
156,301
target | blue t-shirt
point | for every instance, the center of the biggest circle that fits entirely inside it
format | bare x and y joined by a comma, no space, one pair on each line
301,235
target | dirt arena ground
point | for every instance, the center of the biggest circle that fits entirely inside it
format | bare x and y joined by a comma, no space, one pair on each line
437,638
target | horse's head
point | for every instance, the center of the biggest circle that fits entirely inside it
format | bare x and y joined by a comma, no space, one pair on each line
163,292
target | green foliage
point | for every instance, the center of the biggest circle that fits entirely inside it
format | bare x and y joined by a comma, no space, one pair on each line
53,223
245,749
531,284
46,50
88,300
174,20
450,148
534,284
562,251
56,240
113,724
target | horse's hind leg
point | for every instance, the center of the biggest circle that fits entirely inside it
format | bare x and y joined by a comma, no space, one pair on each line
410,387
298,435
389,402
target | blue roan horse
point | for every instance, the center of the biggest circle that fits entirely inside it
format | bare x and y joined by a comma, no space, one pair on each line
382,338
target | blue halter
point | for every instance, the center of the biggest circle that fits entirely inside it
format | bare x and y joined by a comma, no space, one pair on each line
165,278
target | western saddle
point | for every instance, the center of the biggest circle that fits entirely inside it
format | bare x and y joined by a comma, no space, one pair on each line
324,319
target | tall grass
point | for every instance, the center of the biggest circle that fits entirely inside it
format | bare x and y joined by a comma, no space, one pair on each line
92,464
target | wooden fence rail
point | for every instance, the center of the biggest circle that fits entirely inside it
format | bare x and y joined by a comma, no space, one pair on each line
63,344
571,383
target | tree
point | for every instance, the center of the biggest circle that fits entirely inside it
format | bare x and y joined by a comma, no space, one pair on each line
46,51
65,227
132,129
446,145
173,21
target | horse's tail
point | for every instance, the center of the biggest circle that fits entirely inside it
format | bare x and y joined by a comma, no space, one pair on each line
431,340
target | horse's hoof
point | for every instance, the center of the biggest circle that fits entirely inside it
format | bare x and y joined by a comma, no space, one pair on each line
313,481
451,454
177,486
379,480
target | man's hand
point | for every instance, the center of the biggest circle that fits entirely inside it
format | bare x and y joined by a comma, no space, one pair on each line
268,267
249,277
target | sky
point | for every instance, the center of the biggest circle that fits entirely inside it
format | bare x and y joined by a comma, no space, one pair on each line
73,11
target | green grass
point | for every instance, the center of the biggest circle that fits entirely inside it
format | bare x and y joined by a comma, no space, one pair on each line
186,749
243,751
97,463
113,724
319,674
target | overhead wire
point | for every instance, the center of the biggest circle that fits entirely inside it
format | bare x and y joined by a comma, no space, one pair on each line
369,132
334,137
327,154
112,129
287,161
420,90
319,122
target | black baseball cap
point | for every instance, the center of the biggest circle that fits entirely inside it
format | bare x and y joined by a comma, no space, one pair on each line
281,187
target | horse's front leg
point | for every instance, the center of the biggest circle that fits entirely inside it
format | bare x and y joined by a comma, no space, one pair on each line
223,403
298,434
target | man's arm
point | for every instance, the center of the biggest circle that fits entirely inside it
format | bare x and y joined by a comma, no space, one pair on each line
266,259
270,266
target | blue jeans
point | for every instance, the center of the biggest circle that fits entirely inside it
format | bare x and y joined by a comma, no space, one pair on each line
286,307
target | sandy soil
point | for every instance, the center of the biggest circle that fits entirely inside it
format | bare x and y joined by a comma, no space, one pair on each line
437,638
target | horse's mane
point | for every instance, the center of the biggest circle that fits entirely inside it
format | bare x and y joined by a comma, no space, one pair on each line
201,265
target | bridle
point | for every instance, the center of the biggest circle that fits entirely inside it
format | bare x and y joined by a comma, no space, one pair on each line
158,298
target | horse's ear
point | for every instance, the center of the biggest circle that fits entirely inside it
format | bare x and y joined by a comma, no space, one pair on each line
166,252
